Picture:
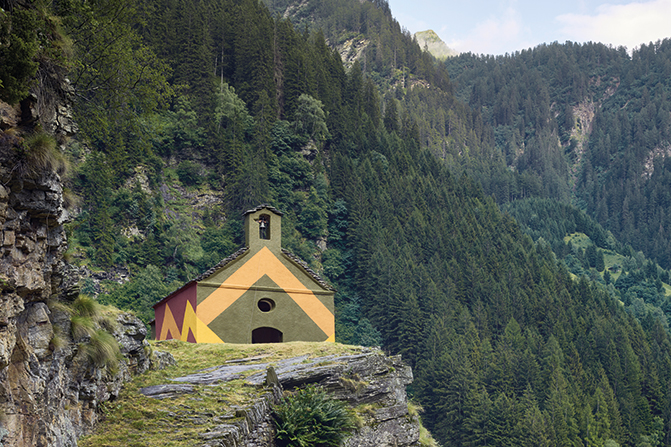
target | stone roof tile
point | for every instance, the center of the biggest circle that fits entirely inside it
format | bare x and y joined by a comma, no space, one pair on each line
266,206
222,264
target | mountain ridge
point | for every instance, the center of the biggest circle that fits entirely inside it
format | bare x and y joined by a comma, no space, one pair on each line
432,43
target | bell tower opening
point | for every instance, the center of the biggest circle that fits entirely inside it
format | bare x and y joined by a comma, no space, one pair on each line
266,335
264,226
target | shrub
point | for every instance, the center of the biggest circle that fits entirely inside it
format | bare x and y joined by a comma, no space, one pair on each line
310,417
189,173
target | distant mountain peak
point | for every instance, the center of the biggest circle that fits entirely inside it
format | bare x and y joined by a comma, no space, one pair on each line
434,44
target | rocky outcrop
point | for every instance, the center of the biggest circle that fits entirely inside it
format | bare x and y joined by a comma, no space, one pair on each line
50,394
50,389
371,382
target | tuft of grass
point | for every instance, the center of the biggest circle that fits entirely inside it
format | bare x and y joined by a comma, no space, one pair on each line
93,324
425,438
81,326
103,351
57,340
354,384
108,323
85,306
71,199
364,412
41,153
414,409
59,306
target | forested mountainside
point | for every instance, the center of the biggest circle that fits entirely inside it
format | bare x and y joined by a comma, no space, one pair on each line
365,32
191,112
590,123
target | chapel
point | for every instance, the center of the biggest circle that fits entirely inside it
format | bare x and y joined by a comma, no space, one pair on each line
260,294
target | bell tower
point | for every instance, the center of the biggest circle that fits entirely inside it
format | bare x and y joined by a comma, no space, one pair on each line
263,228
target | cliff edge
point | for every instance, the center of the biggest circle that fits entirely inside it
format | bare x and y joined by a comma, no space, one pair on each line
223,395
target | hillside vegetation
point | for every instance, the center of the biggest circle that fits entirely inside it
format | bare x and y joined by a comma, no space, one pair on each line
207,108
589,124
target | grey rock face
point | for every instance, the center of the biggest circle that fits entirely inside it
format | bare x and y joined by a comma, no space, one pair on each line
50,395
35,328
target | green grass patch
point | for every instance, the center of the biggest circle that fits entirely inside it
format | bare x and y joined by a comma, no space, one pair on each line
612,260
579,240
134,419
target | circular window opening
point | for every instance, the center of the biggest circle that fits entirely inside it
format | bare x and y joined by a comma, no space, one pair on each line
266,304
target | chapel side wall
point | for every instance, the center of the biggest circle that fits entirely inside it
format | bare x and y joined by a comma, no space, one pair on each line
170,315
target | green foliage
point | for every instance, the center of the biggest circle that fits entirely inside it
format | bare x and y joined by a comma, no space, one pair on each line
114,73
310,417
189,173
230,110
531,98
19,46
637,286
147,288
310,119
312,220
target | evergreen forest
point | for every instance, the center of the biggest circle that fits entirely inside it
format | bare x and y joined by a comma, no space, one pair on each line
502,222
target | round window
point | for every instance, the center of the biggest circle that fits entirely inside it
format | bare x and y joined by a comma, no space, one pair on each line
266,305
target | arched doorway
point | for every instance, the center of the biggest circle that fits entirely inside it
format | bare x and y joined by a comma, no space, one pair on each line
266,335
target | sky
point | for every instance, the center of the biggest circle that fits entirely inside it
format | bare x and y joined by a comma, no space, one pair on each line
505,26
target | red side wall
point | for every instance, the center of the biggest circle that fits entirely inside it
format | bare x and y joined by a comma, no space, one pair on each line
177,303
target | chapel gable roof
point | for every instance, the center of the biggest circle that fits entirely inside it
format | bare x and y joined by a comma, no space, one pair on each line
221,264
295,259
321,281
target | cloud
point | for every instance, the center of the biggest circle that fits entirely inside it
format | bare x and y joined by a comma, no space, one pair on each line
495,35
630,24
